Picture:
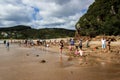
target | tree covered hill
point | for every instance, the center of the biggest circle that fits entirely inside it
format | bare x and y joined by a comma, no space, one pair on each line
102,18
15,28
23,32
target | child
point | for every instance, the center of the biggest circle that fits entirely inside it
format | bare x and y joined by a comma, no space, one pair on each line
81,52
76,51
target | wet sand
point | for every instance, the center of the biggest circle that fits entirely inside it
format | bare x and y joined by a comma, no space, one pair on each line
20,63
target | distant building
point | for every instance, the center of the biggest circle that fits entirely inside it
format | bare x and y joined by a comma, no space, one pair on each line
4,34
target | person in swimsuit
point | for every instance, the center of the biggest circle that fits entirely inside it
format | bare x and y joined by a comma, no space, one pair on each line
61,46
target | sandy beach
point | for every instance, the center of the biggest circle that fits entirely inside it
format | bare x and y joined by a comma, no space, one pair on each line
35,63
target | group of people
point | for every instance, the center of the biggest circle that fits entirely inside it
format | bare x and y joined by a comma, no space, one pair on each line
78,48
71,47
6,44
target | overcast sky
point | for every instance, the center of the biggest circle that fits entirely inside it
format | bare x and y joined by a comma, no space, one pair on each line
42,13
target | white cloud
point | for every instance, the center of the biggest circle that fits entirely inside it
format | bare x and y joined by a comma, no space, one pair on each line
42,13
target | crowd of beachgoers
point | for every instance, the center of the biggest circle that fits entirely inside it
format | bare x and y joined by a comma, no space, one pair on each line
82,47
